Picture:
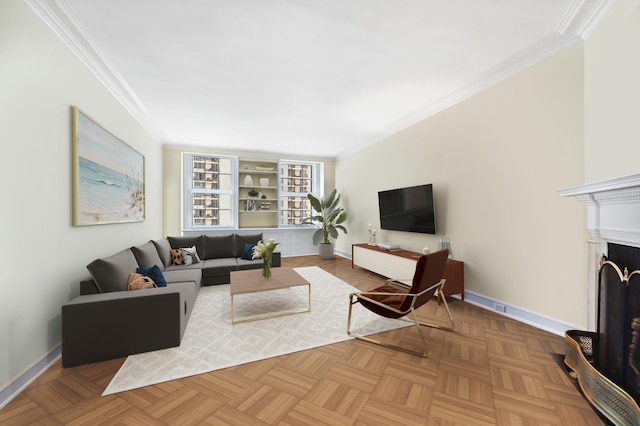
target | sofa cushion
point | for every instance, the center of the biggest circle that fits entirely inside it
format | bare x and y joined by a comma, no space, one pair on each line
183,275
249,264
196,266
180,242
241,240
147,255
155,274
247,253
219,246
112,273
164,251
222,266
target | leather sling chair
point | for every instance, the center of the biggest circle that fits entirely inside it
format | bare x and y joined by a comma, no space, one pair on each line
397,300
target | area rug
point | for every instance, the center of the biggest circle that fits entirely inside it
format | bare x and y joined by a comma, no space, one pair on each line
211,342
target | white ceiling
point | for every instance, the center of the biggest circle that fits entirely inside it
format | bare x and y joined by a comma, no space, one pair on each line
306,77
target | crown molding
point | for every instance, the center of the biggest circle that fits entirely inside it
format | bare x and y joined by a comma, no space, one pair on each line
545,48
581,18
65,23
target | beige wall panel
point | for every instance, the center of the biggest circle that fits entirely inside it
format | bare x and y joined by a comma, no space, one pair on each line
45,256
612,94
496,161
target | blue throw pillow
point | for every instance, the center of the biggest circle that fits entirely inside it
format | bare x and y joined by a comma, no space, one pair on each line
155,274
247,253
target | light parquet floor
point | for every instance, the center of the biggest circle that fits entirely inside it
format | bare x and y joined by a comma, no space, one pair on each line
491,371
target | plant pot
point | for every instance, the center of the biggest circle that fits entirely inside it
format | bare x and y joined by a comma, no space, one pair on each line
325,250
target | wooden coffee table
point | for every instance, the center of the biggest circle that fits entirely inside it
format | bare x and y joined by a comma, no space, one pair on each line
251,281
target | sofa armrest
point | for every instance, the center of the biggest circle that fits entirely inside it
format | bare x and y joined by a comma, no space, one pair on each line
88,287
98,327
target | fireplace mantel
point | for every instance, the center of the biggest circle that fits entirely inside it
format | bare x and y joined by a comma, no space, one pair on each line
613,216
613,209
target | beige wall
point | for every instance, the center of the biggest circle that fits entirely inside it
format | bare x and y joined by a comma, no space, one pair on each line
496,161
172,178
44,257
612,94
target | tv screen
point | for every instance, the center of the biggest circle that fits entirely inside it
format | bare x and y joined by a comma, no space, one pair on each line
408,209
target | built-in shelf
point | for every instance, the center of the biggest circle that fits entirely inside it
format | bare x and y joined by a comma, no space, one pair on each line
262,177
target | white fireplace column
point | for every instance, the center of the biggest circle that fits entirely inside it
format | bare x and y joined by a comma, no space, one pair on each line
613,216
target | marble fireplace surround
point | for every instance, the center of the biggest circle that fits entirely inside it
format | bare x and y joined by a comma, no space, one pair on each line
613,216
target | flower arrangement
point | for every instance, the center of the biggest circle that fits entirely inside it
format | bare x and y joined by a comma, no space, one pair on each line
264,250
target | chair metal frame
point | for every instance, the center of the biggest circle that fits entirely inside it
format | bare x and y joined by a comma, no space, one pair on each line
410,311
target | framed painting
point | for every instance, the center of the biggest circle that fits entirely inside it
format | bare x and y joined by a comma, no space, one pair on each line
108,175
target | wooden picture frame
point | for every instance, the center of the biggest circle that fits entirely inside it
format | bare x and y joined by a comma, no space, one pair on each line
108,175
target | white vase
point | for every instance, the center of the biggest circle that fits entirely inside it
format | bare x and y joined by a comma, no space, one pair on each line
264,181
248,180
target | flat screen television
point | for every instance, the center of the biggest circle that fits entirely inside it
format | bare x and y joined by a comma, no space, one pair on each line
408,209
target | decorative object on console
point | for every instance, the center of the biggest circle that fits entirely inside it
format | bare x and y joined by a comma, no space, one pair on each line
265,250
388,246
248,180
372,235
425,250
445,244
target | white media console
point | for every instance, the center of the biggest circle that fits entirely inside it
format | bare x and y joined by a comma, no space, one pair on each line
401,264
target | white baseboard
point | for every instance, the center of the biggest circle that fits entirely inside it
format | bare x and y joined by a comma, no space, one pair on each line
10,390
543,322
534,319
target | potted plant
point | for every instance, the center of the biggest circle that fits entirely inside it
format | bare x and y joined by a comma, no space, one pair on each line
329,217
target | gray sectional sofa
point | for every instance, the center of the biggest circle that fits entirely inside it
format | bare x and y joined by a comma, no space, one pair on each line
106,321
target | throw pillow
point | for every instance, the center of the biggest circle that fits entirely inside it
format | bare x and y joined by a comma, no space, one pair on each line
176,255
186,258
138,281
193,252
190,255
247,253
155,273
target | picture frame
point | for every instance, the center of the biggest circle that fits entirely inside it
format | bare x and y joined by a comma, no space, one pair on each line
108,175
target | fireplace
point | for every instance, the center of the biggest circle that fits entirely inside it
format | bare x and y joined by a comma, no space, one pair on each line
619,319
606,358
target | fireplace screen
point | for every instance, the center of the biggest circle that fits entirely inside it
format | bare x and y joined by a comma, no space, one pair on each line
619,318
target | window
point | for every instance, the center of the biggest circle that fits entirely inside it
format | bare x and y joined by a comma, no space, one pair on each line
297,179
208,196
